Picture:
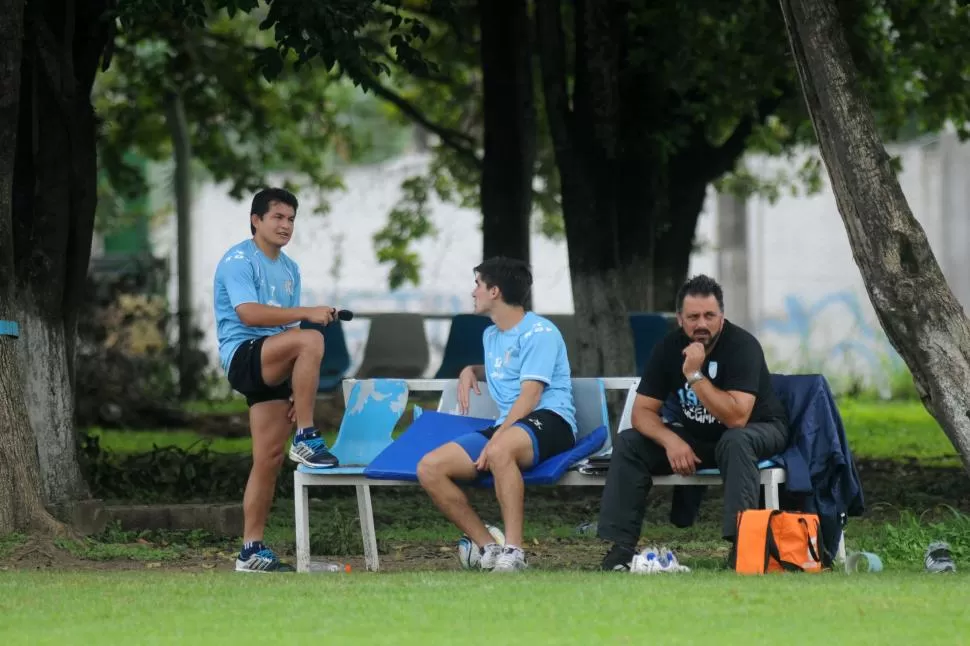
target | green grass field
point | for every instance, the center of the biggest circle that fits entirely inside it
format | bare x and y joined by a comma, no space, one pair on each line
477,608
158,587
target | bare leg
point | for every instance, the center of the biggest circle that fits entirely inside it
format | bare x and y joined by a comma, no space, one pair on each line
512,452
295,354
437,472
270,429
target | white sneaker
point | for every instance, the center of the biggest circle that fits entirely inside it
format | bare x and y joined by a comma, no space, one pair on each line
490,554
669,562
512,559
646,562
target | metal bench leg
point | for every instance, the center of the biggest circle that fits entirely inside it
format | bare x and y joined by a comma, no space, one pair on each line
772,500
302,509
366,513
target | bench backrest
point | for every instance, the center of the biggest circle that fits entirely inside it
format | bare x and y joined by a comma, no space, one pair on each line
373,408
481,405
626,417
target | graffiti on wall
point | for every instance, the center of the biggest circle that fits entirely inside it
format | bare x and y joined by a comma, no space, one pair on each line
833,335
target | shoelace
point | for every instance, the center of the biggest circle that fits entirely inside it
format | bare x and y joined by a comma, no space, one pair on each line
267,554
315,442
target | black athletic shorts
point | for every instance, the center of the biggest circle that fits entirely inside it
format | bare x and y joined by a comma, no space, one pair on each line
550,433
246,375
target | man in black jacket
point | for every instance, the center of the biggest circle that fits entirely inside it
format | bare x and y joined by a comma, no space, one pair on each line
728,417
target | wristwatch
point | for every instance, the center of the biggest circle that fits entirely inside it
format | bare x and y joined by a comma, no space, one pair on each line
694,377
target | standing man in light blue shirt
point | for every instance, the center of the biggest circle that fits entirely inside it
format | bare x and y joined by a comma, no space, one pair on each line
527,372
269,359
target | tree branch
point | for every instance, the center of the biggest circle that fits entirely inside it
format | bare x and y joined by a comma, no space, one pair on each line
721,159
457,141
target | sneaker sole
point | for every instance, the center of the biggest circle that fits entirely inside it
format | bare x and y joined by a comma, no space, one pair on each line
316,465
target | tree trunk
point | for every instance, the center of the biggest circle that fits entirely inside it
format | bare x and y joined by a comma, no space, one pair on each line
510,128
607,178
919,313
54,197
21,501
182,146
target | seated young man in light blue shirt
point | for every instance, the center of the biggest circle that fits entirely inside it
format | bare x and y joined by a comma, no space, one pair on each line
269,359
527,372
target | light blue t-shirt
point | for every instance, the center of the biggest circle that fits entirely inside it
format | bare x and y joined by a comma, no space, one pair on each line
533,350
246,275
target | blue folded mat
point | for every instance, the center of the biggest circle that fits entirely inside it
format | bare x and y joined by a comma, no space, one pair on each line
399,461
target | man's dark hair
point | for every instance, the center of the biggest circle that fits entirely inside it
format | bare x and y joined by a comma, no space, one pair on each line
267,196
512,276
700,285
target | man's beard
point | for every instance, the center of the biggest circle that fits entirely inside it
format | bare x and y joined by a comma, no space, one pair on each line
709,340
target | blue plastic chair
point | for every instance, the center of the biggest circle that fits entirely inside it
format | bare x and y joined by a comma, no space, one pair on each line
336,356
464,345
647,328
374,408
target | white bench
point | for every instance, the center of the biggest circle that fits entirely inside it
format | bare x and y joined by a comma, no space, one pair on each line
481,406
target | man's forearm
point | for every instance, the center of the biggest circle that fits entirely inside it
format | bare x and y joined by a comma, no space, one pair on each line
525,404
258,315
648,424
721,404
478,371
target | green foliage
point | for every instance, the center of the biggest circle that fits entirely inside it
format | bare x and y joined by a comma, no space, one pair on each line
409,220
168,474
721,69
124,375
903,544
242,127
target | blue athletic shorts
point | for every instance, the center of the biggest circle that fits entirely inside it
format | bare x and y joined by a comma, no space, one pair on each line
550,434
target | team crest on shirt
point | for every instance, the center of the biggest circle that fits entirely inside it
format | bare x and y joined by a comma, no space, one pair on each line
712,369
288,287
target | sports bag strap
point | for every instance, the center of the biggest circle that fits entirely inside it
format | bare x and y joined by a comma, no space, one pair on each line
808,537
773,552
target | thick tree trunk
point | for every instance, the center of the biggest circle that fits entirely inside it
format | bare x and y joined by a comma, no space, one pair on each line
54,197
21,500
919,313
510,128
605,344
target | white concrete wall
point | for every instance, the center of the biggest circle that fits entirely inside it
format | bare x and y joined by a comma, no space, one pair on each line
807,299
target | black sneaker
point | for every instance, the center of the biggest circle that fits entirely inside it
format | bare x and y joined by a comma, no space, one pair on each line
618,559
311,450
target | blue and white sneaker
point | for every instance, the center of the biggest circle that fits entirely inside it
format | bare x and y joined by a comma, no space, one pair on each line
262,561
309,448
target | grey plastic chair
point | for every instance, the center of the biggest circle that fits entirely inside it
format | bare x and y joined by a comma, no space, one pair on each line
397,347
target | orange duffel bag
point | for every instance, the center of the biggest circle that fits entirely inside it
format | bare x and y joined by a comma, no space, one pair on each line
770,540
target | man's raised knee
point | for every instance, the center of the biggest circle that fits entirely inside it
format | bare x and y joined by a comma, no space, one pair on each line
311,342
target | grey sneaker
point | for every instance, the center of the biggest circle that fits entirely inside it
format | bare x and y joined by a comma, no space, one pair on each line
490,554
938,558
512,559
